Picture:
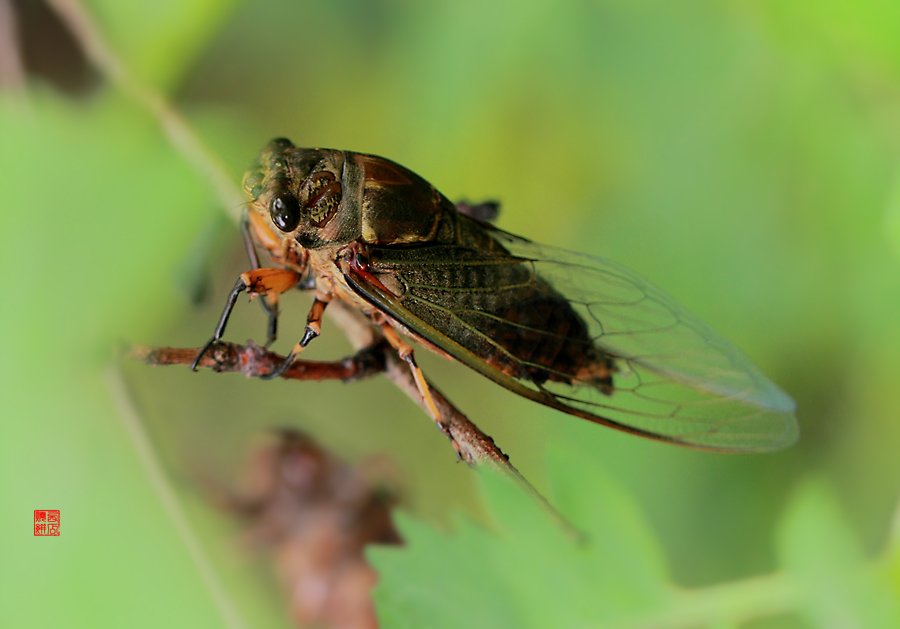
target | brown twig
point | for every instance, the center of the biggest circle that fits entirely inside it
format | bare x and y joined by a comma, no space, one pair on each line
253,361
473,445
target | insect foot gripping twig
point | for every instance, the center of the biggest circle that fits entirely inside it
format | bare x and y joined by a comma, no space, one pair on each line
254,361
268,282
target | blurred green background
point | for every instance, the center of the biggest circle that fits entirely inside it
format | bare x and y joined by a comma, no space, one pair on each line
743,155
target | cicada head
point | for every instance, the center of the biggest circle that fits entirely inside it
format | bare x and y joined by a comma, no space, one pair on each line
300,191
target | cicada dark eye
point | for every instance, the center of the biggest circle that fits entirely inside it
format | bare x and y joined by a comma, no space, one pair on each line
285,212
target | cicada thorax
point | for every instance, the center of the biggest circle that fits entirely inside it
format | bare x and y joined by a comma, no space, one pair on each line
397,206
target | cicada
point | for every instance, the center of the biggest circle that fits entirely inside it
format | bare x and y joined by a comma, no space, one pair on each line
577,333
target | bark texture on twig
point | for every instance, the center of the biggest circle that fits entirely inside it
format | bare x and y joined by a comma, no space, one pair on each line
252,360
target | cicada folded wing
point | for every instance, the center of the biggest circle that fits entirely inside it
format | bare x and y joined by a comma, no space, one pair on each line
580,334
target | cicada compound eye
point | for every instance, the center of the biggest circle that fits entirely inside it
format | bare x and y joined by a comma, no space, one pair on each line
285,212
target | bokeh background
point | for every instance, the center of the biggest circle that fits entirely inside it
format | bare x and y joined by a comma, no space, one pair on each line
744,155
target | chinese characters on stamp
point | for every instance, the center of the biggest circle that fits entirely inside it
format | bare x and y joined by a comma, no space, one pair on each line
46,522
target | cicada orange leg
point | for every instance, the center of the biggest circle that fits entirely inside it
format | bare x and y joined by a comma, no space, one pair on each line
406,353
254,229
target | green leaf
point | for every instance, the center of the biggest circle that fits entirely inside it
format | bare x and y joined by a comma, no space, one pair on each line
525,571
820,551
529,572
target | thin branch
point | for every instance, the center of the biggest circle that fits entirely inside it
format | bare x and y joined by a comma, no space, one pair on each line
737,602
254,361
176,128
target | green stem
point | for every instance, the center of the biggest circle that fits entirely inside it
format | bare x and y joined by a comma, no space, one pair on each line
735,602
173,124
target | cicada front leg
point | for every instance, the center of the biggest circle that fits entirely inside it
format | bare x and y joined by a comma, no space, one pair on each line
266,282
254,229
271,309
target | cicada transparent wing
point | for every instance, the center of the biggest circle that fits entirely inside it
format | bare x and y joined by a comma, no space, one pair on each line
580,334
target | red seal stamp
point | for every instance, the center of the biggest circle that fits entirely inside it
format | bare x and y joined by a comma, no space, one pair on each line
46,522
